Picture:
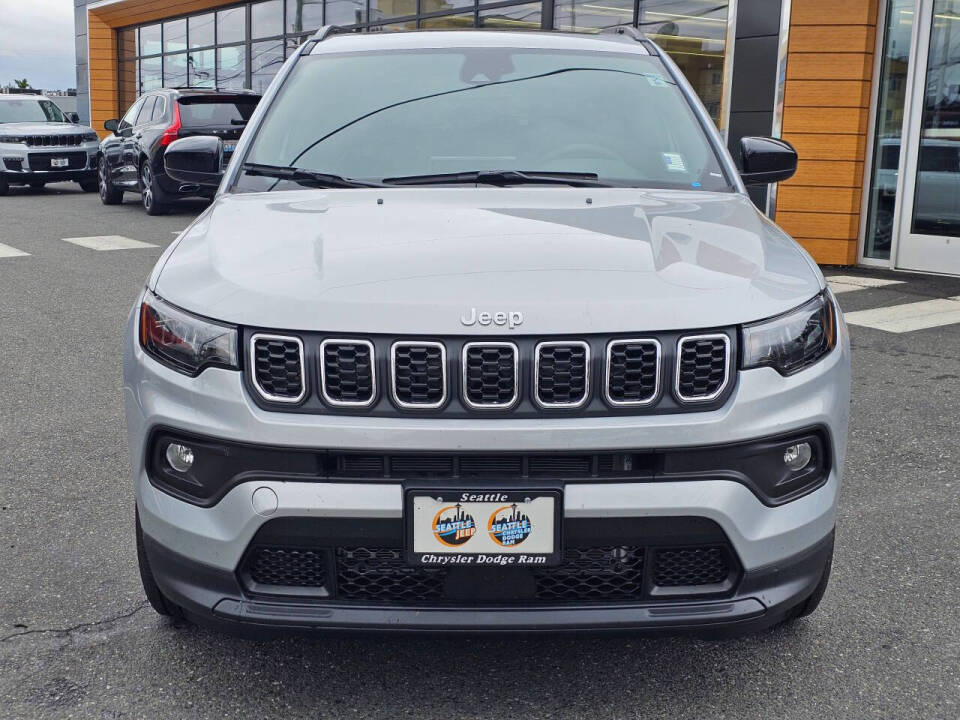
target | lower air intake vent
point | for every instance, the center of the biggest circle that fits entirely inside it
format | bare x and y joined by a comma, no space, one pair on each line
490,375
633,372
702,367
347,371
277,367
419,374
686,567
562,374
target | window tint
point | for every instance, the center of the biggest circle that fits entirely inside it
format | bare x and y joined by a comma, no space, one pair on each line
146,111
131,114
160,109
201,112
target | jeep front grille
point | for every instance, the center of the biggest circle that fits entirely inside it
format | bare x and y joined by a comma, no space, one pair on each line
633,372
490,375
348,376
54,140
419,374
703,367
277,368
562,373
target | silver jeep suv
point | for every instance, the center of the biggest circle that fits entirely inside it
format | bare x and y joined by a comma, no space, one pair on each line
39,143
483,332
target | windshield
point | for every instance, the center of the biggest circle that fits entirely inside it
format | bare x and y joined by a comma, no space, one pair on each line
29,110
370,116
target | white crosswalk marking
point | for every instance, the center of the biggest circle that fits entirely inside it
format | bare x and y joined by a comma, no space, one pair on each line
7,251
909,317
108,242
847,283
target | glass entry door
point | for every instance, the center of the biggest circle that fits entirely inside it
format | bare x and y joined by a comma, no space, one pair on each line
929,218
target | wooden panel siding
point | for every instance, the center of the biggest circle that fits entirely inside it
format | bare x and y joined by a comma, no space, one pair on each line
826,117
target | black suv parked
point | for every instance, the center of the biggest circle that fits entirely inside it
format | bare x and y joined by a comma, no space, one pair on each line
132,157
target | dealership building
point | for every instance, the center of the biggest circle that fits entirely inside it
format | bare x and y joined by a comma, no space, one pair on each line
868,91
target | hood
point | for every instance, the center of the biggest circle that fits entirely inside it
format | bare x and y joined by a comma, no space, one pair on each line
570,260
42,128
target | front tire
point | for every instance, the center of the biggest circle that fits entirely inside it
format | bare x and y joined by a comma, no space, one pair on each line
89,185
109,193
158,601
150,192
36,185
4,187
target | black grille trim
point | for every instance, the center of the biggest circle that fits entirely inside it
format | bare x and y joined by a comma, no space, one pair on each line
359,378
264,393
686,368
395,392
71,140
621,373
470,398
538,369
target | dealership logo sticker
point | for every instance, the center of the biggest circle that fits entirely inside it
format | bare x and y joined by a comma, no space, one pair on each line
508,526
452,526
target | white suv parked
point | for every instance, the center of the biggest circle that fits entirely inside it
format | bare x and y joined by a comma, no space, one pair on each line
482,331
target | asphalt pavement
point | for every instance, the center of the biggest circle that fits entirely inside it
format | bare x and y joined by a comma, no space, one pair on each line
77,639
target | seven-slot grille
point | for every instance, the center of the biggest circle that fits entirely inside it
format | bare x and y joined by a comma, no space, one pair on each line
53,140
703,363
348,376
523,376
633,372
490,375
278,368
419,374
562,373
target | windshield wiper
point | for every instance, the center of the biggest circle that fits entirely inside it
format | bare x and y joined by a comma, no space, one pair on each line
302,176
501,178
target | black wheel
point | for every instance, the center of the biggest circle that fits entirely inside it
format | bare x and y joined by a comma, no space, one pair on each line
812,602
109,194
158,601
4,188
89,185
150,192
36,184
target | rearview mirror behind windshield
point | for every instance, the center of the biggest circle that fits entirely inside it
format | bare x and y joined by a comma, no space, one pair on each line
195,160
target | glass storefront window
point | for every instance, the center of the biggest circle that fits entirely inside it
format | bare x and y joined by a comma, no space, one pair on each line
175,36
887,134
453,22
201,30
432,6
265,60
345,12
573,15
150,40
175,70
232,67
516,17
232,25
382,9
304,15
151,74
266,19
201,69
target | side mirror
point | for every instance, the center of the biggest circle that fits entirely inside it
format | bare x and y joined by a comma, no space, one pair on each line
73,117
195,160
112,124
766,160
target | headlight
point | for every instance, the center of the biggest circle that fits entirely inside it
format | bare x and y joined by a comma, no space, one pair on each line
185,342
12,139
793,341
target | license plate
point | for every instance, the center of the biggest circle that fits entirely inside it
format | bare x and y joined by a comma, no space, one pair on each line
59,162
229,147
483,527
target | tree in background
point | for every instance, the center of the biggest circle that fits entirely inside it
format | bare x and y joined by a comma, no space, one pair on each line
22,84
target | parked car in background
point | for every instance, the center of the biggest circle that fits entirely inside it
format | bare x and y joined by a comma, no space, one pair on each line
132,157
40,143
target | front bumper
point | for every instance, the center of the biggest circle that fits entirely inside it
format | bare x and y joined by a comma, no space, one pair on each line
20,164
196,551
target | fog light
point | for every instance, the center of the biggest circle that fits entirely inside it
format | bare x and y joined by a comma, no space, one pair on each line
180,456
796,457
